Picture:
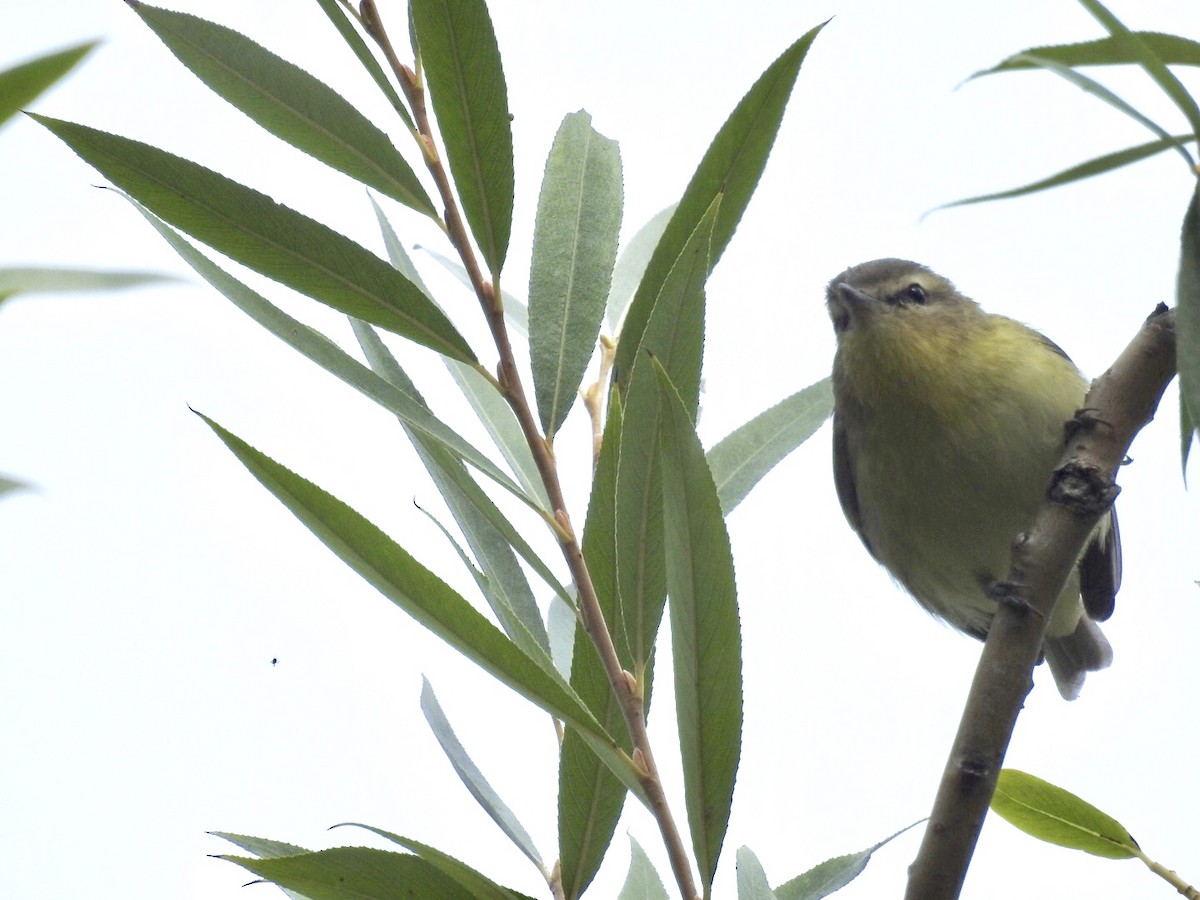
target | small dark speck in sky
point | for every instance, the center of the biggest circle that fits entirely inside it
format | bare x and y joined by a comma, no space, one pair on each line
274,662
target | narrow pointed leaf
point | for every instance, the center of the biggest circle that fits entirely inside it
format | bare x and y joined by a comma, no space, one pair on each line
12,485
36,280
1170,48
267,849
337,15
473,779
1051,814
22,83
332,358
516,311
489,405
590,798
1096,89
501,423
1187,324
674,336
261,846
507,618
705,631
480,886
731,167
288,102
574,250
1187,434
266,236
469,96
561,623
1097,166
751,879
740,459
641,881
356,873
833,874
825,877
386,566
631,266
491,536
1150,61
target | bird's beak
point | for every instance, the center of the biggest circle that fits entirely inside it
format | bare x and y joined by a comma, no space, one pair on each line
847,303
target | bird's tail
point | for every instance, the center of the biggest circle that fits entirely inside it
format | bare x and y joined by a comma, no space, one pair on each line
1072,656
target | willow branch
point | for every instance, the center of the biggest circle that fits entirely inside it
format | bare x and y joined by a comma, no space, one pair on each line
1082,488
624,686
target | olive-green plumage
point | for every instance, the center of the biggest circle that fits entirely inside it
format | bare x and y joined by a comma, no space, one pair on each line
947,424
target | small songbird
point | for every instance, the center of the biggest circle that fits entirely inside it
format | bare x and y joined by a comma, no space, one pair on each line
947,425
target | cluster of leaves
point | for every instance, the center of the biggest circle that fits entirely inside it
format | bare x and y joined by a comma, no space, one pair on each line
655,519
1154,53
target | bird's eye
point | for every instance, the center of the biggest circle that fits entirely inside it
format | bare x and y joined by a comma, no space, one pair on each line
914,293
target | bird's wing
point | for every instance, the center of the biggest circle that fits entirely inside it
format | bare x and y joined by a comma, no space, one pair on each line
843,480
1100,571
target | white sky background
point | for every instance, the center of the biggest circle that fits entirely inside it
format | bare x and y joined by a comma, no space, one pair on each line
150,581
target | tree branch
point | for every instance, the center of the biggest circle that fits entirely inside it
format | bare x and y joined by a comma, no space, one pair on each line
624,686
1120,403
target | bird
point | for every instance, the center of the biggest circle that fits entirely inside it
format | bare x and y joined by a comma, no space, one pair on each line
948,422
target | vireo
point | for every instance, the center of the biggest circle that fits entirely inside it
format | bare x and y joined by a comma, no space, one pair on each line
947,424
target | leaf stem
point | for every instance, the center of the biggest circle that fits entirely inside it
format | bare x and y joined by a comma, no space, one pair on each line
626,688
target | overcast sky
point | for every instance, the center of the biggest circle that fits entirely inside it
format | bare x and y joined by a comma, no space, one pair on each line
149,582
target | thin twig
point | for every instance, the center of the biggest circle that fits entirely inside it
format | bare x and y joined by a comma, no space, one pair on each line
624,686
1119,404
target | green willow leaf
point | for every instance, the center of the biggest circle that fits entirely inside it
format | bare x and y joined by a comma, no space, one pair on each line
1096,89
22,83
489,404
1096,166
631,266
1144,56
641,881
574,250
833,874
1050,814
1187,327
515,310
751,879
516,313
480,886
333,358
289,103
561,625
386,566
706,640
1187,433
490,534
467,88
590,798
266,236
674,336
740,459
731,168
13,485
473,779
337,15
1170,48
261,846
355,873
36,280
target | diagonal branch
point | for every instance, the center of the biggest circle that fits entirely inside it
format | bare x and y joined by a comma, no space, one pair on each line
624,686
1120,403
